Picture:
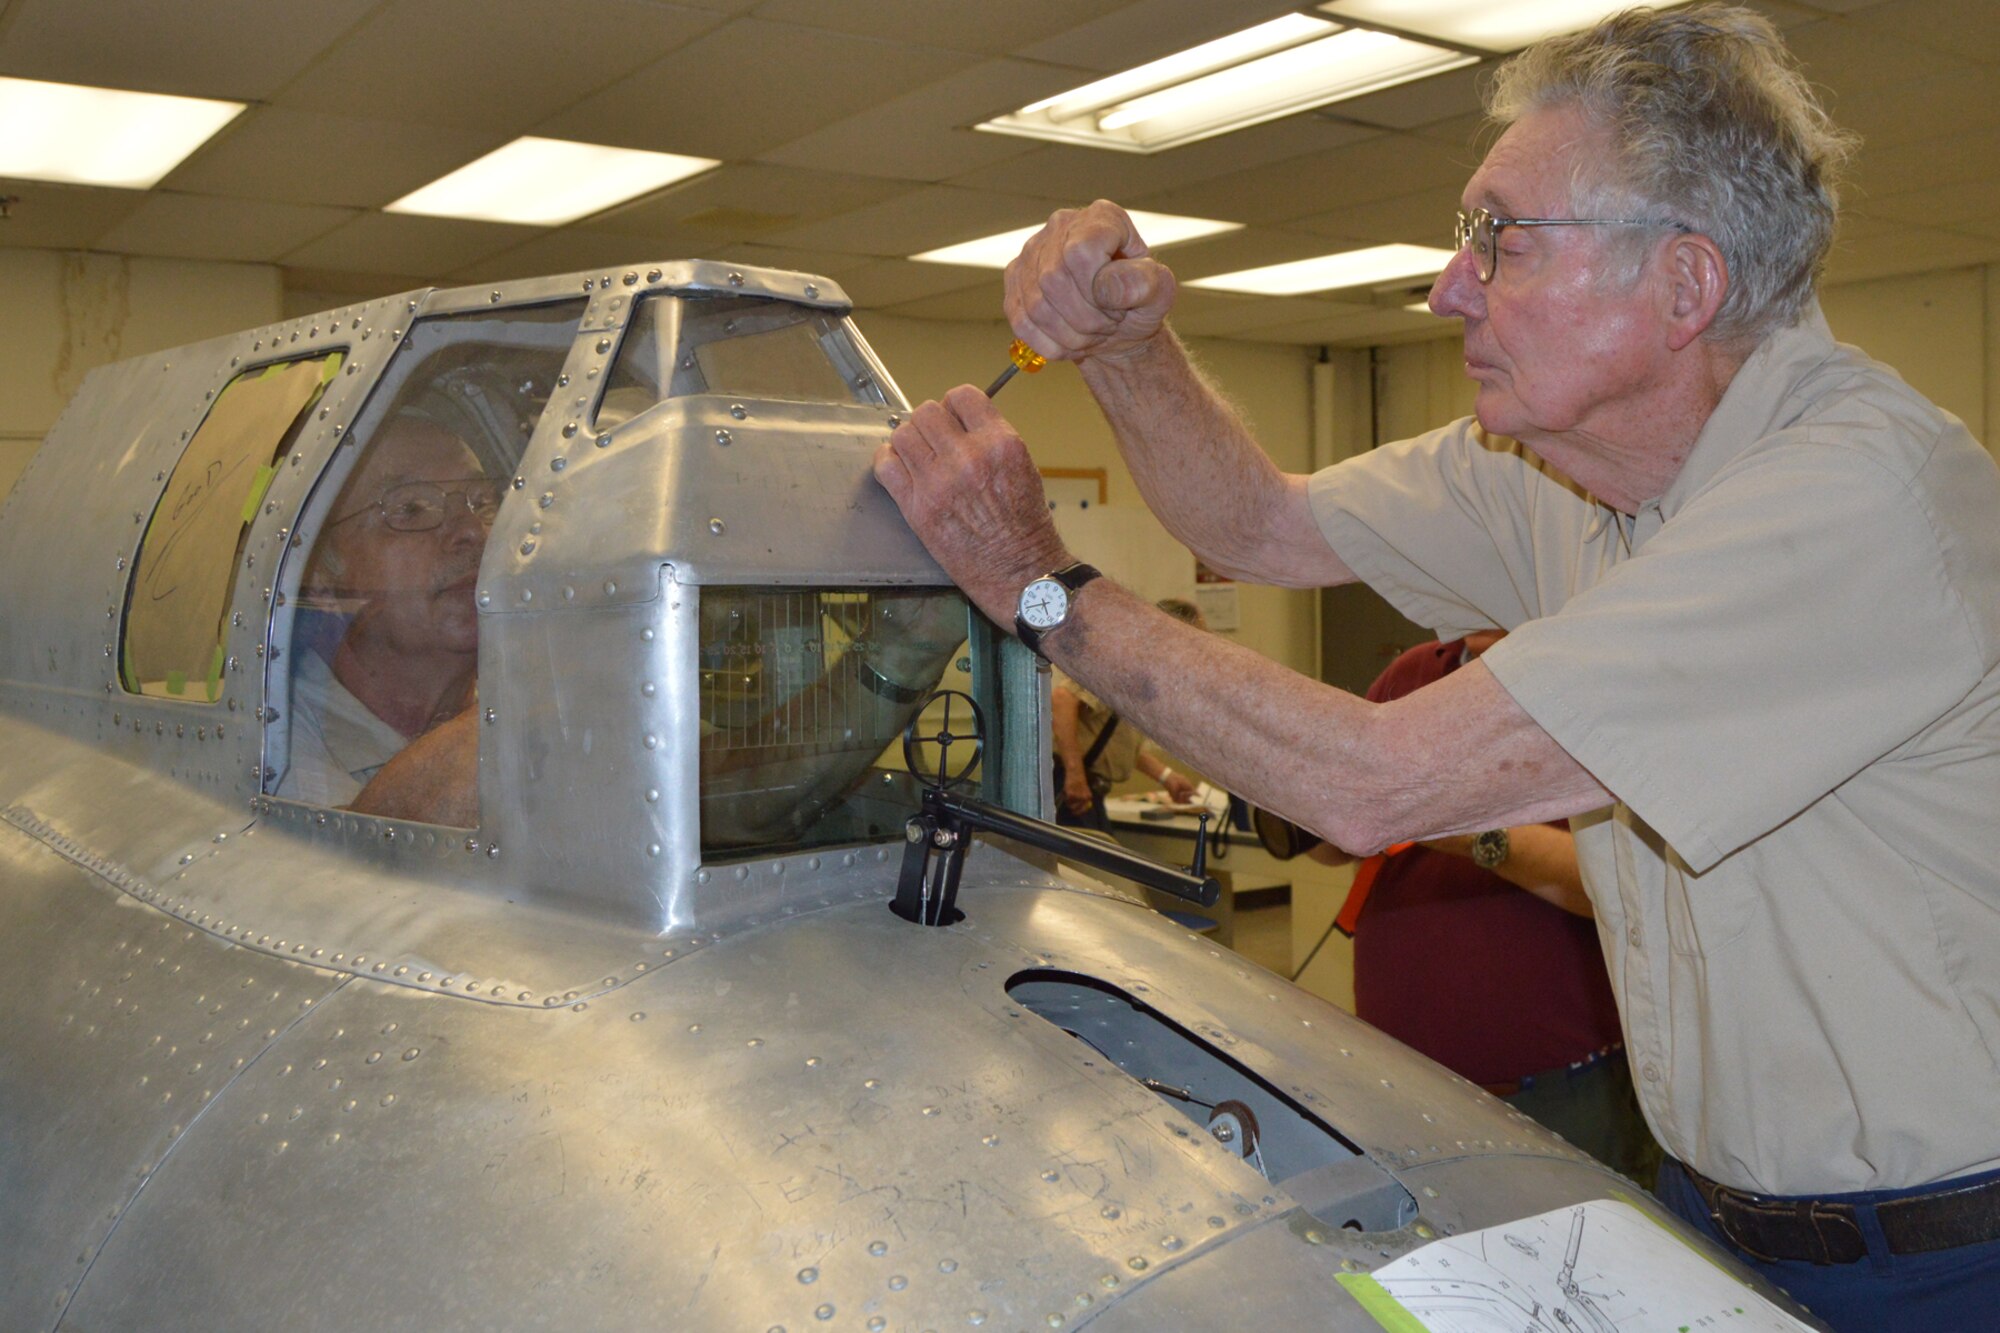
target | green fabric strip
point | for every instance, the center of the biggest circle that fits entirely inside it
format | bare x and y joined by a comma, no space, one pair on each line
258,485
1371,1296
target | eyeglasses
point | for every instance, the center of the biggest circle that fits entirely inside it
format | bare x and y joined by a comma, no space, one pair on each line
420,506
1479,230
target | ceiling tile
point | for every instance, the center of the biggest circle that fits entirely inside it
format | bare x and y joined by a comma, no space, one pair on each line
62,217
1145,31
743,200
1355,330
1891,116
1423,218
1201,314
1253,247
570,250
1855,54
817,262
194,226
1955,28
1078,174
1383,167
749,87
236,49
500,68
1423,102
921,220
973,305
976,26
400,243
307,157
886,282
927,135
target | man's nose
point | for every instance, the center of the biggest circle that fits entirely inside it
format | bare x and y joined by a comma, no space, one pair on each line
463,523
1458,293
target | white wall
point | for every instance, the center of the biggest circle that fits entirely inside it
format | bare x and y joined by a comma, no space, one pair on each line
64,313
1932,328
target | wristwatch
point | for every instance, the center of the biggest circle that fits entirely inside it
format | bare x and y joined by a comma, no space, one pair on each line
1046,601
1490,849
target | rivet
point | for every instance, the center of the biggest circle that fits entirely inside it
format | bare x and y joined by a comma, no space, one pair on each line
558,464
738,411
715,526
722,437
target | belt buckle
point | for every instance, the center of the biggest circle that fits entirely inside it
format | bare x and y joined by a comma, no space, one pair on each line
1829,1233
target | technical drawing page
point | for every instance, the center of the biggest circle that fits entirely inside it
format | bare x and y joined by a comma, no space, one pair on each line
1598,1267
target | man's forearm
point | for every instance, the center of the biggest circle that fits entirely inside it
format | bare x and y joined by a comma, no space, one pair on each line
1360,775
1203,474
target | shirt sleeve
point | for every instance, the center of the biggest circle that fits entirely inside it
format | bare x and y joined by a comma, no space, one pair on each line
1791,624
1449,527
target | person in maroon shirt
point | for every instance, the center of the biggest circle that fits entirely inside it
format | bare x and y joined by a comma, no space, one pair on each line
1497,973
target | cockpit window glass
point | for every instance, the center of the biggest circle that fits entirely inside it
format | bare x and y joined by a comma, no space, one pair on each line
804,695
384,644
177,606
744,346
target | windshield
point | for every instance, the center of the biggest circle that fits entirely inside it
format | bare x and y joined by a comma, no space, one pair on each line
804,695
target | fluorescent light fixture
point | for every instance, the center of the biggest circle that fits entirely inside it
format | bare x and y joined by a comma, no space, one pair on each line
1480,23
548,182
1159,229
1273,69
101,136
1352,268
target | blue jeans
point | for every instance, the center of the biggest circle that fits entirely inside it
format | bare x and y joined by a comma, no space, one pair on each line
1944,1291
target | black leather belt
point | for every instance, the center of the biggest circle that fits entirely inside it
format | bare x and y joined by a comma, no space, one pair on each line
1822,1231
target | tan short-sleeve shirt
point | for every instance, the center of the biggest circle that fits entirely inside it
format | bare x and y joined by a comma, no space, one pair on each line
1785,671
1115,761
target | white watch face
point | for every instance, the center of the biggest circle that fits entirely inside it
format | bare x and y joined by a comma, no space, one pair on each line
1044,604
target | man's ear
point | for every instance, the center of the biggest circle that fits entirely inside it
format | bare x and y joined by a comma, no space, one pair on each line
1698,279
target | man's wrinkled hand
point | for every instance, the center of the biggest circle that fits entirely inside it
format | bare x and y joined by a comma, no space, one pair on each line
967,487
1086,285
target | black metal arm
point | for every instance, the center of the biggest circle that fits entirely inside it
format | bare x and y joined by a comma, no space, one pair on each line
927,893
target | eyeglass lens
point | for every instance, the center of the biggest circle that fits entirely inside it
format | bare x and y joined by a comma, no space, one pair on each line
419,506
1476,229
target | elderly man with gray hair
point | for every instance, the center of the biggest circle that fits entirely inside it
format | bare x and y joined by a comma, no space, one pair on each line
1752,584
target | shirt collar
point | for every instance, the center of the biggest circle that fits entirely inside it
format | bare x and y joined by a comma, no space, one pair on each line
1761,398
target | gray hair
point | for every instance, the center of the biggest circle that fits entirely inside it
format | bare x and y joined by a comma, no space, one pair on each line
1714,128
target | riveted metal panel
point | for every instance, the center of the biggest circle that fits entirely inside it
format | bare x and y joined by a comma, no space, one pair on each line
123,1028
729,491
766,1134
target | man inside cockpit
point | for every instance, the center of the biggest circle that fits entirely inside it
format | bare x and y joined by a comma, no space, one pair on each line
396,562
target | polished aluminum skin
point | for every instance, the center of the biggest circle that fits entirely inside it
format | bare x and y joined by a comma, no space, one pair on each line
270,1065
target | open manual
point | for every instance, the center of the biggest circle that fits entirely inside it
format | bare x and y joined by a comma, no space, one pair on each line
1598,1267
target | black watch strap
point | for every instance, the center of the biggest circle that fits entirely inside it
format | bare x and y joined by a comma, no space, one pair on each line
1072,577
